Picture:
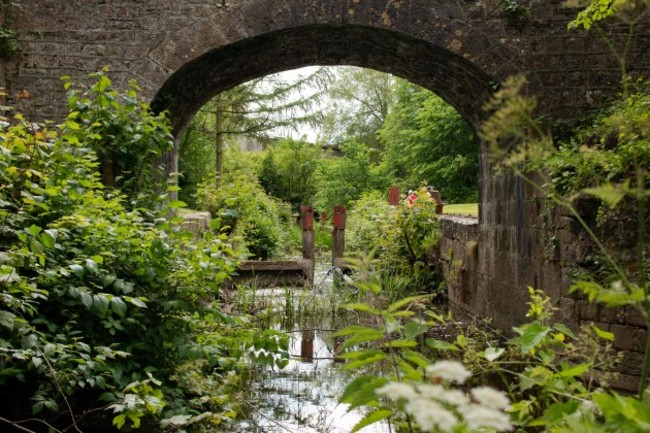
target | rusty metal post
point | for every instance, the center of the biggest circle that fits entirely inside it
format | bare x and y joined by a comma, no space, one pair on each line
393,196
307,346
307,226
338,234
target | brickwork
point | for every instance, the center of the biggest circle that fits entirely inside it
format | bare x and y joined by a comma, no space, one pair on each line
182,52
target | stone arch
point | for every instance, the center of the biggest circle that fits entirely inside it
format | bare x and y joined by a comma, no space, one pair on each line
461,83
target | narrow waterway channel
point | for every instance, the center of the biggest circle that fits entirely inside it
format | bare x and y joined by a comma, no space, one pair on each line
303,397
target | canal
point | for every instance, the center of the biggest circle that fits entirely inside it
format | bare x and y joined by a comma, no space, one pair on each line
303,396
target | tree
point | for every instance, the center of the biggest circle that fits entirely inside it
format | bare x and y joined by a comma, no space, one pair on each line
425,139
254,110
287,171
360,100
343,180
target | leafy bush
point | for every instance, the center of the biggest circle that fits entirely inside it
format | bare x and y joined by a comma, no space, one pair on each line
402,238
97,302
127,136
287,171
343,180
246,212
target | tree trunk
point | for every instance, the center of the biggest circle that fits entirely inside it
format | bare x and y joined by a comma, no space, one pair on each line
218,126
109,170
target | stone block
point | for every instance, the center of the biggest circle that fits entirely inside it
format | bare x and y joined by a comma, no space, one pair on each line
629,338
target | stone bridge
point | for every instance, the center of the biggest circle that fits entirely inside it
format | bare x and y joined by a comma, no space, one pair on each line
183,52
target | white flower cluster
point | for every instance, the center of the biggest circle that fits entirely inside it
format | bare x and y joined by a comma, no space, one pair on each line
435,407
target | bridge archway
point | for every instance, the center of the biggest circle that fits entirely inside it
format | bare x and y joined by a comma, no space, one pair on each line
439,63
452,75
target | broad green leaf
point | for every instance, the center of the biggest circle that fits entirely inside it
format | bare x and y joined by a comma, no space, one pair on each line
7,319
493,353
92,266
556,412
575,371
175,204
34,230
352,330
564,329
414,328
361,391
362,337
100,302
76,269
47,239
400,343
118,306
440,344
371,418
416,358
29,341
531,335
86,299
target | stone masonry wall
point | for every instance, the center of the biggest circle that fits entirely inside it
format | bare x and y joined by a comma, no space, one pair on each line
183,52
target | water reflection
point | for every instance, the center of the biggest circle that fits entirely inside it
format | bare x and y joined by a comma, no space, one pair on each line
303,396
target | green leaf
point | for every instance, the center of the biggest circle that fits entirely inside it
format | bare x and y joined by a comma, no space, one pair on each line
405,301
556,412
531,335
376,356
414,328
119,421
175,204
86,299
564,329
365,308
29,341
92,266
493,353
577,370
610,193
362,337
78,270
34,230
361,391
118,306
47,239
7,319
605,335
100,302
371,418
416,358
440,345
400,343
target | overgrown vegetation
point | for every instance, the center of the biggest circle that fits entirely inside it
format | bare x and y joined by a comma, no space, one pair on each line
555,379
106,307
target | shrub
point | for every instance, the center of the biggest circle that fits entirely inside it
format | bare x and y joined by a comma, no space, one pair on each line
246,212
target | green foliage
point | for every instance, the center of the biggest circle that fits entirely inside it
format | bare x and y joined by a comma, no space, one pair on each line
425,139
8,42
599,10
399,379
402,238
127,137
97,303
287,171
342,180
359,101
246,212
